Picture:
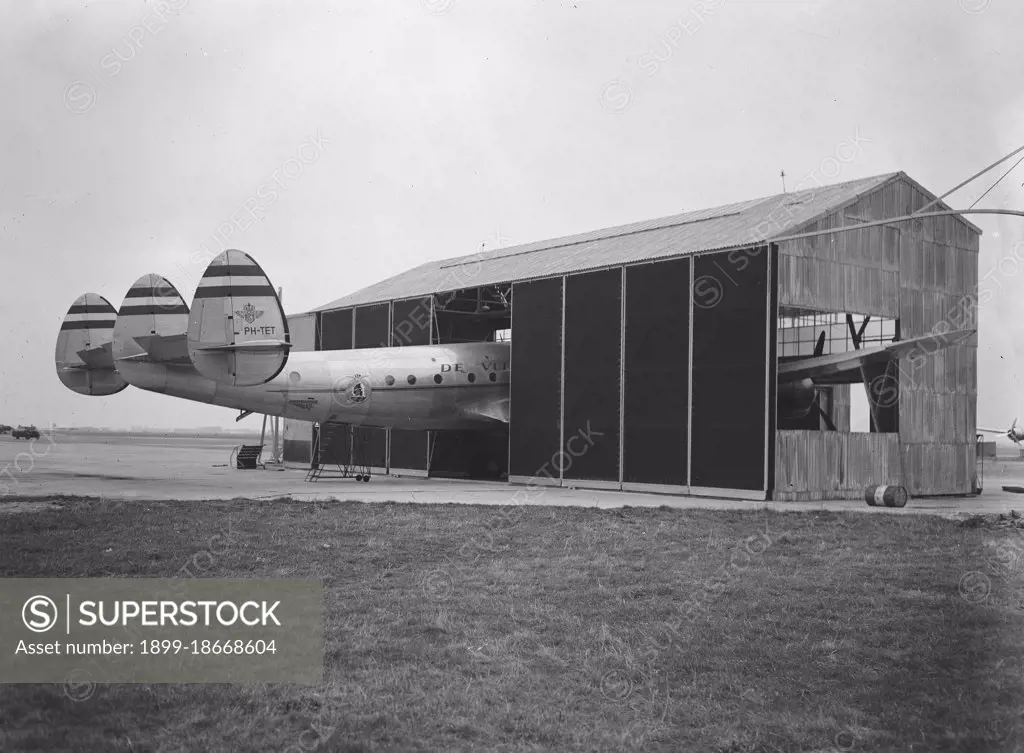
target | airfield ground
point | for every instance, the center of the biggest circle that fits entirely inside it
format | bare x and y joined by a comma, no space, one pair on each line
559,628
124,466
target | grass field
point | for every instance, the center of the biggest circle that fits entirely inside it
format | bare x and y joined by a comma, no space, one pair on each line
452,628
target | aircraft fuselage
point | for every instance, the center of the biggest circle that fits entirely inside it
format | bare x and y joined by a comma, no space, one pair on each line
459,386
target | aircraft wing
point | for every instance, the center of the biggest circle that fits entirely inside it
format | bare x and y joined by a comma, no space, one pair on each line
163,349
494,409
845,368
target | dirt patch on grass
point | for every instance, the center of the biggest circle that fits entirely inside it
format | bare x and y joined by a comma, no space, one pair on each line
16,507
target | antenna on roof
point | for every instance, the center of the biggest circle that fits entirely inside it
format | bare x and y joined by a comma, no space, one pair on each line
782,174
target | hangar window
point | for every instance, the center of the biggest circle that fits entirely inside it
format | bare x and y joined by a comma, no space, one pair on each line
800,331
503,336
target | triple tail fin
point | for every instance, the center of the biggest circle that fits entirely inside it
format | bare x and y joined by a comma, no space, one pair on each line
83,357
237,330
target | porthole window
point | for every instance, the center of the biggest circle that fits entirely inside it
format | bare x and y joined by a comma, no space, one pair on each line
389,380
411,379
471,377
493,377
437,379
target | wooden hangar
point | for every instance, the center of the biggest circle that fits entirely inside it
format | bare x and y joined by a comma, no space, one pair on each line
648,356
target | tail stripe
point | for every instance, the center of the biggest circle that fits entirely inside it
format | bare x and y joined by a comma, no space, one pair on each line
224,291
153,300
150,309
88,324
91,308
101,317
218,280
147,291
222,270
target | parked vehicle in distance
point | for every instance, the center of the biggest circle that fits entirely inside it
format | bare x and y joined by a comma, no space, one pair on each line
25,432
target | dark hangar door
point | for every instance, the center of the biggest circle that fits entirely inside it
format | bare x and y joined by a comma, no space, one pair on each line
335,330
535,398
657,373
372,326
730,374
410,325
411,322
593,322
372,330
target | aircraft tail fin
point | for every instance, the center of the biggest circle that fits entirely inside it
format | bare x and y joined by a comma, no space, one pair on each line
83,356
237,330
152,324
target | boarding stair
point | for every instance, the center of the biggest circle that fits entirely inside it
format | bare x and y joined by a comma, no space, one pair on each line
248,457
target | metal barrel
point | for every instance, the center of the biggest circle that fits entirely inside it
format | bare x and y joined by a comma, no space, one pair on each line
883,495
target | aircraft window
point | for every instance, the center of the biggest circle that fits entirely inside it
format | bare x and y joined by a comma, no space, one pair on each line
411,379
471,377
389,380
437,379
493,377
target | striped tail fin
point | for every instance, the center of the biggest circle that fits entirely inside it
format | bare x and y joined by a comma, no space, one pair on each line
83,357
237,331
152,324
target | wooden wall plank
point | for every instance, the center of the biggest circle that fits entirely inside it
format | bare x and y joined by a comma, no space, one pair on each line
833,464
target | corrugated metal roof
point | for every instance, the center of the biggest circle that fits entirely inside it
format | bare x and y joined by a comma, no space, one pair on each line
730,226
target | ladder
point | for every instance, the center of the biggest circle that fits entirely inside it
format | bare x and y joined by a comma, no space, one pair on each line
326,462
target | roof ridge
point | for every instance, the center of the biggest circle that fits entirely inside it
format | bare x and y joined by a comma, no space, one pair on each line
700,230
655,223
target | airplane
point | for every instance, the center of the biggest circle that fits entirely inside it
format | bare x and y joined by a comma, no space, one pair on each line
1014,434
233,349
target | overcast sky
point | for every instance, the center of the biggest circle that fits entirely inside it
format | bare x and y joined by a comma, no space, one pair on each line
133,131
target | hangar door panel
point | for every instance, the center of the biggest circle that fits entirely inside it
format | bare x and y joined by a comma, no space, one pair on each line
372,326
370,446
657,373
372,331
535,396
335,330
730,380
411,322
593,319
410,326
409,449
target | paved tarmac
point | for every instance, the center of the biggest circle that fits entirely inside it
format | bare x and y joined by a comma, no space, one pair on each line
182,468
